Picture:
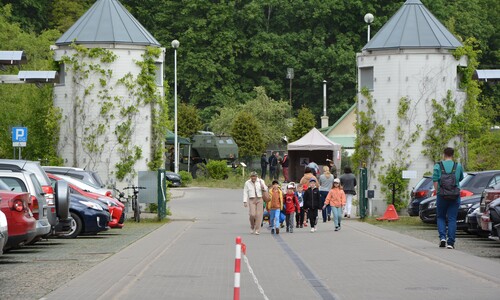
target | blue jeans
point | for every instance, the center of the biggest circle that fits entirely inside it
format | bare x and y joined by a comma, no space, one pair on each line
447,210
274,218
327,211
337,215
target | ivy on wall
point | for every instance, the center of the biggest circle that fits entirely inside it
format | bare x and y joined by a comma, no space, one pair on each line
91,69
393,186
369,135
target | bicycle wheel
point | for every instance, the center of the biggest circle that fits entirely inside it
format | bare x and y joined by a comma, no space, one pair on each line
137,211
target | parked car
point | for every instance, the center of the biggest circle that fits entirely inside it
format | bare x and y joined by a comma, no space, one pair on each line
423,190
89,177
493,215
173,179
4,230
473,184
22,226
26,182
86,186
58,208
489,194
115,207
472,221
88,217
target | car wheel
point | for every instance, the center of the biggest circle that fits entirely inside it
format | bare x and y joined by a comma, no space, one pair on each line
62,199
76,227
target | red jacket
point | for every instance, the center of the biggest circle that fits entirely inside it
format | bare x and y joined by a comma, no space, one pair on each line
291,203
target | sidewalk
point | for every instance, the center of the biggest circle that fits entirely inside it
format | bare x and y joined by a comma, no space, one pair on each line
195,260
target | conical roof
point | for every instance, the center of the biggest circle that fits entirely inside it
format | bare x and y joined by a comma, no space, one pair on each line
413,26
107,21
314,140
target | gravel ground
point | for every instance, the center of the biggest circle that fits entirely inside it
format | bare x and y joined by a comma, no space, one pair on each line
34,271
470,243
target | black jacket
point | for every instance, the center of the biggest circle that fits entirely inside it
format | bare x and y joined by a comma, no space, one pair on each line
312,199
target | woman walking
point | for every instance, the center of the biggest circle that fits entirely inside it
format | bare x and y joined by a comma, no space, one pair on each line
348,182
325,185
336,199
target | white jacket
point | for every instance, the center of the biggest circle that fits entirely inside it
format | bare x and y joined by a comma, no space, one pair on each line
252,190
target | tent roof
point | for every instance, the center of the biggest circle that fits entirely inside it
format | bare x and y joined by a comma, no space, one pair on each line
107,21
181,140
314,140
413,26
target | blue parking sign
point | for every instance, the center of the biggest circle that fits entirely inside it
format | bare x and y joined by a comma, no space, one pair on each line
19,136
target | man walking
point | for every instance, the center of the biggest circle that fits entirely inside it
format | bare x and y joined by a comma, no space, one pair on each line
263,166
273,163
446,177
252,198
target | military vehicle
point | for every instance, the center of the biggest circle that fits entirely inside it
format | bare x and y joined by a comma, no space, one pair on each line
203,147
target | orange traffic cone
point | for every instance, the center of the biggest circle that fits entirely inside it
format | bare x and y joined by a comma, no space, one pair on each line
390,214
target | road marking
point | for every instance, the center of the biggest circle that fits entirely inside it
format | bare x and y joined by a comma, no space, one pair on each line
313,280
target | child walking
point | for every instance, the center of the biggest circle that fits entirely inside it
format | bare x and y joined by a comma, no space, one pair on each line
336,199
299,217
312,202
275,206
291,206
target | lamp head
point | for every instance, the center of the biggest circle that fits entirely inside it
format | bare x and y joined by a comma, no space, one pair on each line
369,18
175,44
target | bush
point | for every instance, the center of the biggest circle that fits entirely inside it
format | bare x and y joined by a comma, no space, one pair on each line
217,169
186,177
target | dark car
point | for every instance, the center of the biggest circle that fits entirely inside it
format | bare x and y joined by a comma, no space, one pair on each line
489,194
423,190
173,179
89,217
471,220
472,185
494,218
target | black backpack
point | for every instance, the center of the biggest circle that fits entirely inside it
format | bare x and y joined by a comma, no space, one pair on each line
448,188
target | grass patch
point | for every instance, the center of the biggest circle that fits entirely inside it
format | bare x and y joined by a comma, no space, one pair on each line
234,181
131,222
403,221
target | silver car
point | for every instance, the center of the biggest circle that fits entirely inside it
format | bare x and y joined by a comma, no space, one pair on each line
24,181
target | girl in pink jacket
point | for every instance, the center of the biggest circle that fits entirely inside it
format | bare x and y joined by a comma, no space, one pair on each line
336,200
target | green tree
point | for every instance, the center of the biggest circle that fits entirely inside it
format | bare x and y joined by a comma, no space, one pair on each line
271,115
188,121
248,135
304,122
66,12
485,151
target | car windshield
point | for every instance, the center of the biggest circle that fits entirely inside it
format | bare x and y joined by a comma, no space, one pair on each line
4,186
424,184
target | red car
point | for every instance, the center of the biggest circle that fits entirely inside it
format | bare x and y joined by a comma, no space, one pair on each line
21,223
115,207
489,194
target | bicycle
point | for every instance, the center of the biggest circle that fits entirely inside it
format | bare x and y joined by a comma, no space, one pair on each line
135,203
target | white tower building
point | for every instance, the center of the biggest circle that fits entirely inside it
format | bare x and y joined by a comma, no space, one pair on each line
106,123
410,57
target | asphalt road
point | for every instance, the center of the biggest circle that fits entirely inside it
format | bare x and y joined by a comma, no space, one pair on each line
193,258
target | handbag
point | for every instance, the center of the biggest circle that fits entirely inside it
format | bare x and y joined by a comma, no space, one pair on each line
265,194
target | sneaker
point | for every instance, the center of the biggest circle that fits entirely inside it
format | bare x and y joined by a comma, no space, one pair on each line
442,244
329,218
450,246
291,230
257,232
272,230
277,231
337,229
312,229
287,229
301,226
345,215
282,225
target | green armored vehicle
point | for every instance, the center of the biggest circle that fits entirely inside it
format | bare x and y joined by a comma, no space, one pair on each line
203,147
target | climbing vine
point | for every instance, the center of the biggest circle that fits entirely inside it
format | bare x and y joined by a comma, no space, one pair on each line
369,135
89,130
394,187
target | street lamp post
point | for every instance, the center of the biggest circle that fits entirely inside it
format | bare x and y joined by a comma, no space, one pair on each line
289,75
369,19
175,45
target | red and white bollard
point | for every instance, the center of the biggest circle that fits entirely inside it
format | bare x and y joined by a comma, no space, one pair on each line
237,267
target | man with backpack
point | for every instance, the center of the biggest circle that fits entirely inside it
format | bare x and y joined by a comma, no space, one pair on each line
446,177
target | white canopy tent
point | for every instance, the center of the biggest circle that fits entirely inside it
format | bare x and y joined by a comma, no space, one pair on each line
313,146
